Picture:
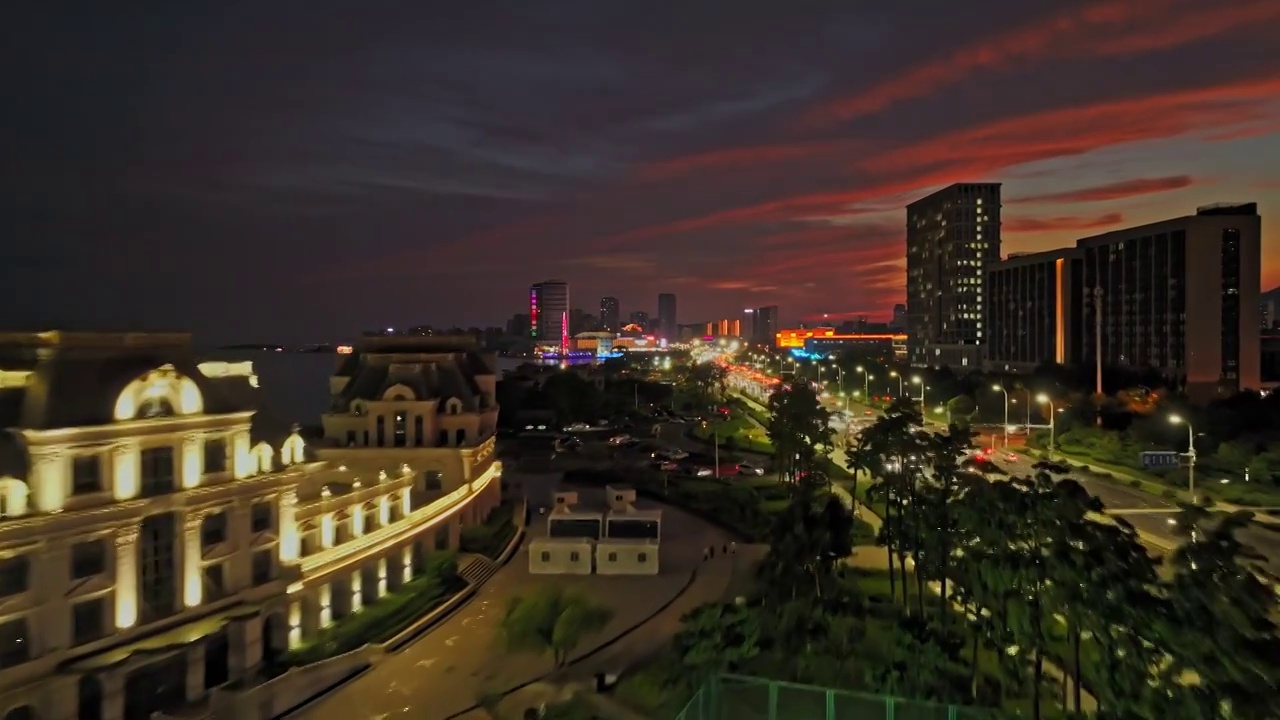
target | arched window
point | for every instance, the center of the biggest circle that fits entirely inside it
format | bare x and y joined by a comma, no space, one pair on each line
444,439
370,511
155,407
418,438
460,437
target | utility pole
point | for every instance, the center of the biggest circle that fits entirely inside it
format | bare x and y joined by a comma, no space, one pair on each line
1097,344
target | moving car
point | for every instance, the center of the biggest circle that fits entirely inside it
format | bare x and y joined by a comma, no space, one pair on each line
749,469
620,440
577,427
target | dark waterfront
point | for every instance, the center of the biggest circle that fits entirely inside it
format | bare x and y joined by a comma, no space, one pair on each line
295,386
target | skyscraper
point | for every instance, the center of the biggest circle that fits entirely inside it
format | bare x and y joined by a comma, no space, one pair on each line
899,321
766,325
667,327
549,312
952,235
610,316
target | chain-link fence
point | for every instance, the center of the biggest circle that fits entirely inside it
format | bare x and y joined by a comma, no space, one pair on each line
736,697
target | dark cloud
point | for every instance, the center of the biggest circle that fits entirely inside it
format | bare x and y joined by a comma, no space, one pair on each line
303,170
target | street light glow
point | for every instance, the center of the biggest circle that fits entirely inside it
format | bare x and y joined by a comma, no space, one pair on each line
1042,398
1175,419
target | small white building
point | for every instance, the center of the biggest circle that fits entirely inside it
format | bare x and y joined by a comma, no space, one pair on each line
626,557
560,556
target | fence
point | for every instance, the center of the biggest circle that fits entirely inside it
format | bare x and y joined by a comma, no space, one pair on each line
736,697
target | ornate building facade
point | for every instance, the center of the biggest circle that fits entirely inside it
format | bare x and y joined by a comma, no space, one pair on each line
153,547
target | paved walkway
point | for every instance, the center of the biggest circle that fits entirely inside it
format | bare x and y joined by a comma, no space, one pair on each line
446,671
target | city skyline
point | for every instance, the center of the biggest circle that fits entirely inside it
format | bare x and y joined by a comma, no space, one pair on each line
242,184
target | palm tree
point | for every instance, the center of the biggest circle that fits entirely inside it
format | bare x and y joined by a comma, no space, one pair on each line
799,428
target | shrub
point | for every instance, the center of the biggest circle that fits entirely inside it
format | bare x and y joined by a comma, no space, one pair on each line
1135,483
387,617
1169,494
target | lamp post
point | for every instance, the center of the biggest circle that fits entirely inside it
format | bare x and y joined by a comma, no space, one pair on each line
1191,454
894,373
917,381
715,443
840,376
866,383
1006,413
1052,424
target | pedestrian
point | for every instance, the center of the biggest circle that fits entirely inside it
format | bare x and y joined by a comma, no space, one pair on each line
712,549
733,548
724,549
705,554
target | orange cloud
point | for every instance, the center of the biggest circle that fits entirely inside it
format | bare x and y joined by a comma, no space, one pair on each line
1037,224
1111,27
1110,191
1077,130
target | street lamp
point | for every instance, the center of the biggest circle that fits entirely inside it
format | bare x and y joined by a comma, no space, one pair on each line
1191,453
894,373
1042,398
1006,413
840,376
866,382
915,380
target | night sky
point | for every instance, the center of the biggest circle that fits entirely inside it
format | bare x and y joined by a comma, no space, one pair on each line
297,171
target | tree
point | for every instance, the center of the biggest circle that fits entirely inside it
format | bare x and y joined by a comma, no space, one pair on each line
717,638
799,428
551,620
1221,627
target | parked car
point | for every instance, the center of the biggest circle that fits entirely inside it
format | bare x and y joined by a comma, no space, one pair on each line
670,454
749,469
620,440
666,465
577,427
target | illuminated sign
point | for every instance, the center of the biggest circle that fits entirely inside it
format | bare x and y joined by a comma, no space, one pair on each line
797,338
345,349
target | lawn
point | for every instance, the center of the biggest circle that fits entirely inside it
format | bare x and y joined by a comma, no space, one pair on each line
737,433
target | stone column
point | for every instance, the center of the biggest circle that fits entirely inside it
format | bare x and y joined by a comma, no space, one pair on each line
406,502
51,480
50,578
357,589
406,562
192,560
309,605
384,510
195,670
327,530
455,532
382,577
125,471
324,598
287,518
296,623
243,461
192,463
356,513
112,681
127,578
245,640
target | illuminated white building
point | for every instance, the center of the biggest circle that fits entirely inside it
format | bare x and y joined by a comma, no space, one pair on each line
152,549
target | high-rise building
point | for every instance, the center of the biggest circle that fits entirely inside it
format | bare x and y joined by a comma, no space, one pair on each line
766,325
549,312
899,321
1033,310
1179,296
667,327
518,325
610,314
952,235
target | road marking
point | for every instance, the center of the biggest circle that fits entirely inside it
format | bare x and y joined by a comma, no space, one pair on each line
451,641
426,663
